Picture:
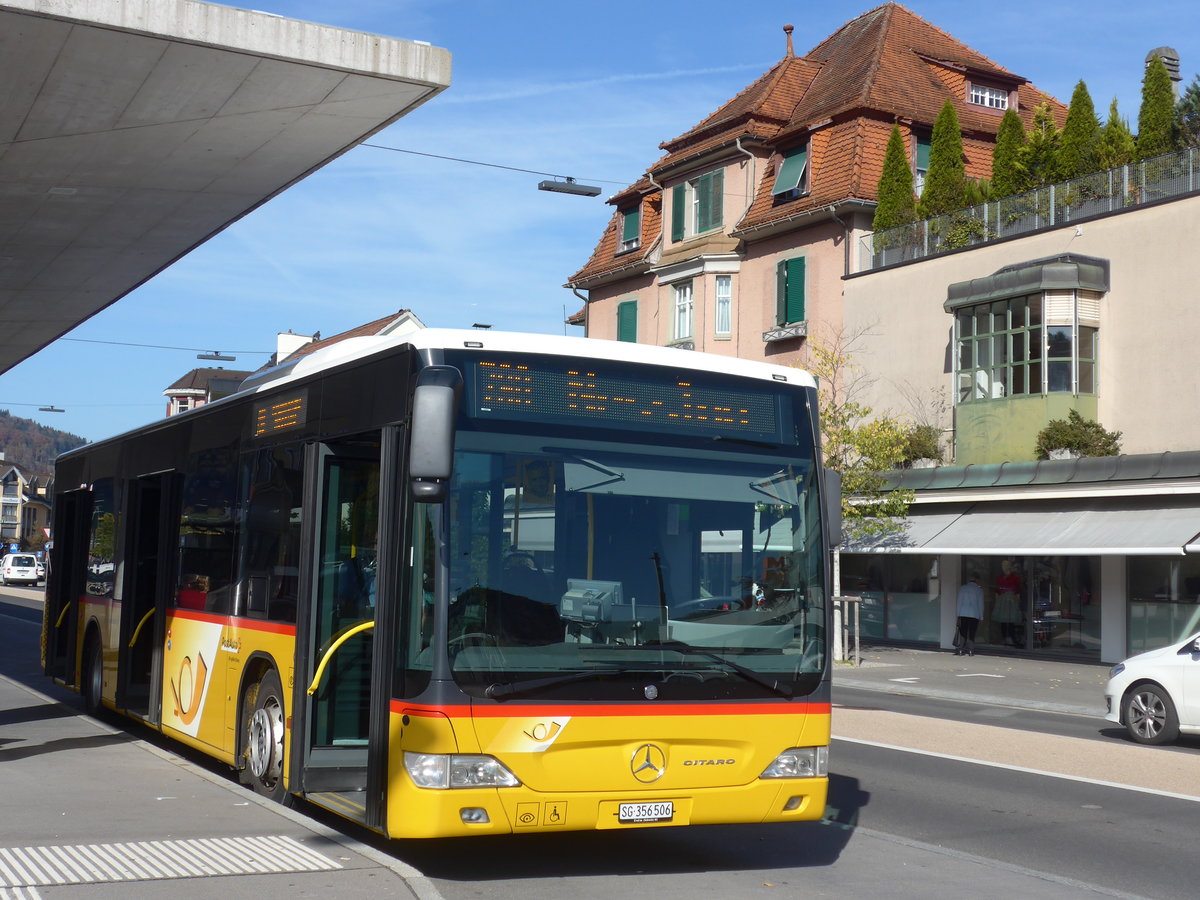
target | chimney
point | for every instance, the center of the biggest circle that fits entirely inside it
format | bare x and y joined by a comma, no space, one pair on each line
1170,58
788,29
287,343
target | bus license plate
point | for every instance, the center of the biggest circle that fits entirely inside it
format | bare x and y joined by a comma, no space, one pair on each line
661,811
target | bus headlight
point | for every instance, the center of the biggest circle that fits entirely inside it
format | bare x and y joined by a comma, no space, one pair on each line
444,770
799,762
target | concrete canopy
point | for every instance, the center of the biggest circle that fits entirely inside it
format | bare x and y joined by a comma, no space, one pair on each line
131,131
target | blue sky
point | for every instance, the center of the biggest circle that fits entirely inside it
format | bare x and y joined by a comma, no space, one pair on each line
581,89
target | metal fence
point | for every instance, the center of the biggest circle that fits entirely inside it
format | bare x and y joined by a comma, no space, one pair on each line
1098,194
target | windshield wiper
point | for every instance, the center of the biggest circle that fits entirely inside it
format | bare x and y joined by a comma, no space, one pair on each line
499,691
782,688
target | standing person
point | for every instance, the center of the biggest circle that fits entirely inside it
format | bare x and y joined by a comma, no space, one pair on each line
1007,611
970,611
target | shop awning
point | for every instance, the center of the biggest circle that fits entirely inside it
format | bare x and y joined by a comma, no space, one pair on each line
1146,527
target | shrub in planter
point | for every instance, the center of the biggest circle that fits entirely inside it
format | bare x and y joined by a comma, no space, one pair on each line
1075,433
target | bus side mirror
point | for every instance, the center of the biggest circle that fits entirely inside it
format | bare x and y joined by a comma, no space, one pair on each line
431,439
833,506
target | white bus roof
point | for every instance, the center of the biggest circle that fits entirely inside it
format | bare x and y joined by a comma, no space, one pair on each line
516,342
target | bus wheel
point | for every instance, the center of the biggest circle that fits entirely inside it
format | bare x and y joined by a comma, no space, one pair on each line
263,712
91,682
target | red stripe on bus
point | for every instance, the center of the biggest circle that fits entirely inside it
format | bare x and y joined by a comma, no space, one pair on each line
601,708
234,621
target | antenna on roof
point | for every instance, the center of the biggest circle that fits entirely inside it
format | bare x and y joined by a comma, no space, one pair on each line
788,29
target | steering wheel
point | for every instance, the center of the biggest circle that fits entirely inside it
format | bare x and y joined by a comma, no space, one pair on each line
473,639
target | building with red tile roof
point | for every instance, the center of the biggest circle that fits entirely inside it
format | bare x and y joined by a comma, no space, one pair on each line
737,239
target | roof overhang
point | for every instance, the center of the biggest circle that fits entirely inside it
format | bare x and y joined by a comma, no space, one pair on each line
1067,272
131,131
1139,527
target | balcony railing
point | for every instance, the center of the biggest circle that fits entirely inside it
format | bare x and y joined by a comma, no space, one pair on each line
1099,194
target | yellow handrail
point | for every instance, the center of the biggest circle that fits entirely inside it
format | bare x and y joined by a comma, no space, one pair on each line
345,636
62,615
138,630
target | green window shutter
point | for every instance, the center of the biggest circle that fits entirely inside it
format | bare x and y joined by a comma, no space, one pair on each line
791,172
631,225
789,291
627,321
709,189
677,212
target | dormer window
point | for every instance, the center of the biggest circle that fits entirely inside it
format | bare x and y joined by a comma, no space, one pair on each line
991,97
792,179
631,229
696,205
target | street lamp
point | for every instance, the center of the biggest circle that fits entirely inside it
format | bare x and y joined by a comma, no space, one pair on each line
223,357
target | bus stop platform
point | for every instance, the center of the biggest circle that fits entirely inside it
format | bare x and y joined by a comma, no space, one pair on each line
92,810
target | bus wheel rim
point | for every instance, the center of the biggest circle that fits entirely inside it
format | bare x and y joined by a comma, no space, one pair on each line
266,742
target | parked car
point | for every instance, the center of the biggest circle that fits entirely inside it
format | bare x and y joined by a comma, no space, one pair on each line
19,568
1156,695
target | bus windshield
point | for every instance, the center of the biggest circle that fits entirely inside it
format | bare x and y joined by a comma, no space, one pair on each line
618,570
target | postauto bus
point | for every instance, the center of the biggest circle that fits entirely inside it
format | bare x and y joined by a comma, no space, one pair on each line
459,583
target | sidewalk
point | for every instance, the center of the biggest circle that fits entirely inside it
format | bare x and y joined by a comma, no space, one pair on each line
88,809
1050,685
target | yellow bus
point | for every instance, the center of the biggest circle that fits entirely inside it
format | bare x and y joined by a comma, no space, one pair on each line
463,583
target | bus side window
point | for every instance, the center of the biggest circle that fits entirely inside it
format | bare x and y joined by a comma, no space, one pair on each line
270,551
207,532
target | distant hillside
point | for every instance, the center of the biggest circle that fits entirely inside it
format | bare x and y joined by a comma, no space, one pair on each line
33,447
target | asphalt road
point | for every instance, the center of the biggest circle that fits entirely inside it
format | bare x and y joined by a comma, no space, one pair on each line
900,824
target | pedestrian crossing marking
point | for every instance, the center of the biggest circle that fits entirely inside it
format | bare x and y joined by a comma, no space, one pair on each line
32,867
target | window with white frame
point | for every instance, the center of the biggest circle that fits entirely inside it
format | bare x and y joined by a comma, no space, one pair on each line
683,311
723,311
696,205
922,163
991,97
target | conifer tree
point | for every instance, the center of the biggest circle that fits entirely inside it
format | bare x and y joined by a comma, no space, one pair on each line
1156,118
945,181
895,191
1039,156
1116,146
1080,134
1187,115
1008,178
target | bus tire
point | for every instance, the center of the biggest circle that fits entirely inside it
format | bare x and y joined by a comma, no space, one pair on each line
91,677
263,737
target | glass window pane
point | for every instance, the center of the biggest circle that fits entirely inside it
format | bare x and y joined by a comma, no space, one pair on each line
1087,378
1018,346
1000,348
965,356
1035,343
1016,307
964,387
1000,315
982,320
1059,376
1059,340
1018,379
964,324
1087,342
1035,378
1035,311
998,383
983,353
982,384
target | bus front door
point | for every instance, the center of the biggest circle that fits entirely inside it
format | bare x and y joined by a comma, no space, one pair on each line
337,695
66,583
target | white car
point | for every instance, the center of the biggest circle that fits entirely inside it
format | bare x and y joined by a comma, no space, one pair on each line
19,568
1156,695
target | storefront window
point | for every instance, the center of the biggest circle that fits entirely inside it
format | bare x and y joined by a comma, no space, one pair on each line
901,595
1164,601
1047,604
